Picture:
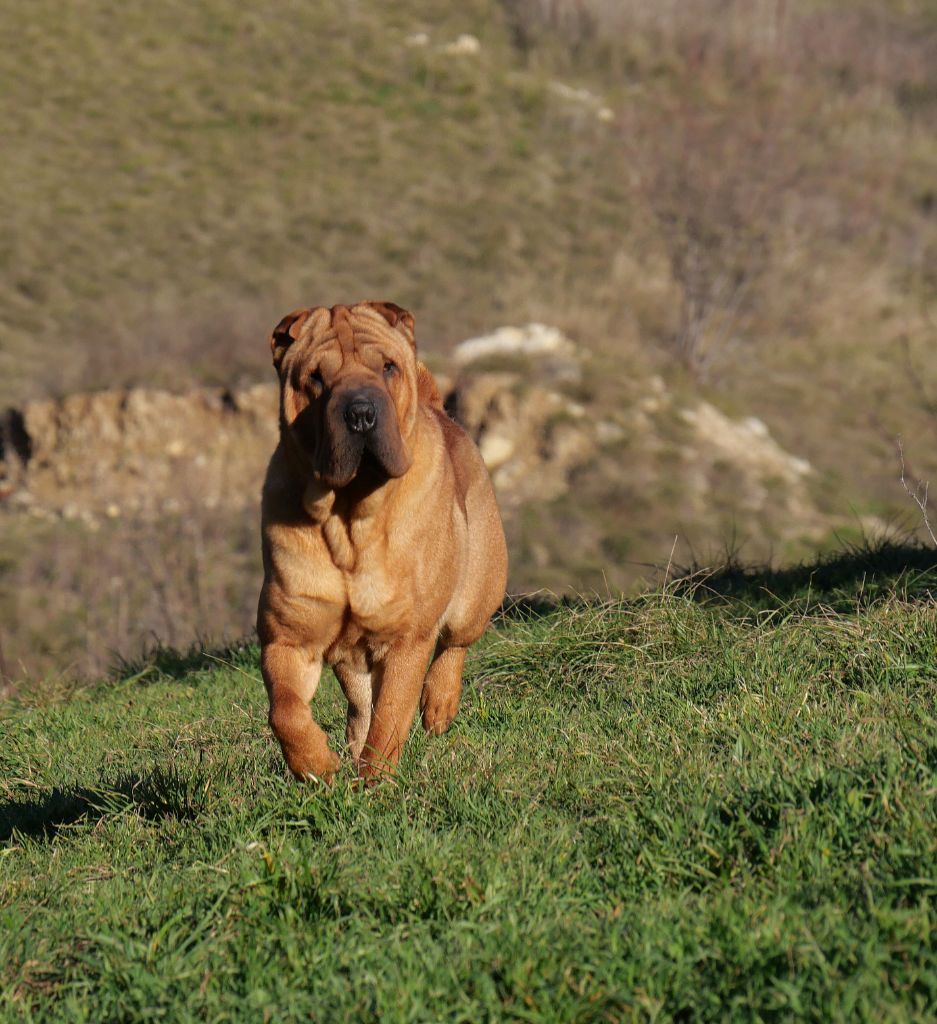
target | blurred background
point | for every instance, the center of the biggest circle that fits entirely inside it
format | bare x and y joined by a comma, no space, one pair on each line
695,242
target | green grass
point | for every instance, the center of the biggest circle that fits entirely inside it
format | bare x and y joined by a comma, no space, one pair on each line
667,809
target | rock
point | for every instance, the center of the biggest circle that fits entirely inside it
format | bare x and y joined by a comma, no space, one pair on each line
583,98
137,449
464,46
609,432
545,352
764,478
530,340
746,443
530,435
143,453
496,449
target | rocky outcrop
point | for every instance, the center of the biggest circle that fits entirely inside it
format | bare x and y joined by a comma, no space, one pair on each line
746,448
519,392
138,451
145,452
511,394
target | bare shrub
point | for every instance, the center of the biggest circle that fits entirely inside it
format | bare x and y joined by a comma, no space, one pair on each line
219,342
715,181
919,493
77,599
926,401
857,45
726,131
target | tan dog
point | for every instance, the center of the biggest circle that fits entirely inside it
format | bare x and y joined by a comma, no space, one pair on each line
383,548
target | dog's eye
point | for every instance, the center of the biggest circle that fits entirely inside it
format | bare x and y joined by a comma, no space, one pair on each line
389,368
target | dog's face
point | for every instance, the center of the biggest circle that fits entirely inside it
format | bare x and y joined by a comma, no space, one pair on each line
348,389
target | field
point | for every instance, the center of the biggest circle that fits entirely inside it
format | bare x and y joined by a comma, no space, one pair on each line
716,801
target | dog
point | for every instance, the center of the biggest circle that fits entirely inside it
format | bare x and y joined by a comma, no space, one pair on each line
383,549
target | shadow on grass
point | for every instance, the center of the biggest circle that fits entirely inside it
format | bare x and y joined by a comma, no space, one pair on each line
524,607
162,663
856,576
164,793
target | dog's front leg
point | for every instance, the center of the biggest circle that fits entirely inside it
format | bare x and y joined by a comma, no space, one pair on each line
355,681
291,675
399,680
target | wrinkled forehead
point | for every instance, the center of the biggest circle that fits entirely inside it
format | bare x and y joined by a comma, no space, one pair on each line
349,333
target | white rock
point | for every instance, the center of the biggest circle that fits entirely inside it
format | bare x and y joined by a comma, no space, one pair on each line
755,426
748,443
574,95
465,46
496,449
529,340
608,432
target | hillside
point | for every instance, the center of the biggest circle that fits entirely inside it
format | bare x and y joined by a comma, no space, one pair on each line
728,207
714,801
131,514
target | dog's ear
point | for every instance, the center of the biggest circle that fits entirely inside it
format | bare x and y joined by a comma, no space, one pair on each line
286,332
397,317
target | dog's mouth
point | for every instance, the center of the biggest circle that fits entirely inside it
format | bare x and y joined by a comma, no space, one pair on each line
338,452
371,467
370,459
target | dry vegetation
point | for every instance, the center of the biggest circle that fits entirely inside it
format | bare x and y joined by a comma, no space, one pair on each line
77,602
741,197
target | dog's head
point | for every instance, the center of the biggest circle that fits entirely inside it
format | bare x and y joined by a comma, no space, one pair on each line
348,389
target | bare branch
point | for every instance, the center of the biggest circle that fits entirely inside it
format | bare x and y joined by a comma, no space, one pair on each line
918,495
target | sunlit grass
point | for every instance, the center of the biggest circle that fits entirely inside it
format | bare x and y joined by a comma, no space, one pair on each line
672,808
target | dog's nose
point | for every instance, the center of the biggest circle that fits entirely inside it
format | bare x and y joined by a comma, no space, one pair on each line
360,415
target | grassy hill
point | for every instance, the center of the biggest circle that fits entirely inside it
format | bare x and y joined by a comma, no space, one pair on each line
176,177
713,802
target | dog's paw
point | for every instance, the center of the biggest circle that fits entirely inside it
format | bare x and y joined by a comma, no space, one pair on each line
438,712
320,767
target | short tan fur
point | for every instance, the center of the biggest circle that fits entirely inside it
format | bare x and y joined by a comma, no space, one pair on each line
384,554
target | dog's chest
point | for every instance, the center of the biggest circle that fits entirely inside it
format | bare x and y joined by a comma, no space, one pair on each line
337,535
377,602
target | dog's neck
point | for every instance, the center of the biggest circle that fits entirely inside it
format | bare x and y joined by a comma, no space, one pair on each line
358,500
318,501
344,516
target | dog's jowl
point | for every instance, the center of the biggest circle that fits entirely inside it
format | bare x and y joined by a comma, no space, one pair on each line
384,554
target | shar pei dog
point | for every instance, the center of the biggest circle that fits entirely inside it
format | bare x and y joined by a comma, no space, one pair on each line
383,550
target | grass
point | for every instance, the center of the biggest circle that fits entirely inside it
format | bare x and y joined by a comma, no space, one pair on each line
665,809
